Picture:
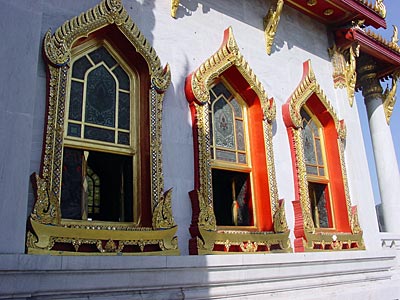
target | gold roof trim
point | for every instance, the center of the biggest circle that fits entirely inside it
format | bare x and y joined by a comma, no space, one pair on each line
229,55
58,46
378,7
389,44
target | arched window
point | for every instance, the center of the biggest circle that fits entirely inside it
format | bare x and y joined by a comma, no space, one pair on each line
100,187
324,217
235,205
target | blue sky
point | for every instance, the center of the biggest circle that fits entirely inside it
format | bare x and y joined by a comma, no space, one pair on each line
392,18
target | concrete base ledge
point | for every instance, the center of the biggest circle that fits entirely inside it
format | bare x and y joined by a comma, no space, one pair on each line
281,276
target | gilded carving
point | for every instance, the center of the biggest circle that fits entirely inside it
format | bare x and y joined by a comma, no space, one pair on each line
351,73
162,215
339,67
204,229
389,44
47,229
280,224
46,209
271,21
206,216
344,72
174,7
389,97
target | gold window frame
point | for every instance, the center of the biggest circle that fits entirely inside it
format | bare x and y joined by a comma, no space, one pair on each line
205,234
45,226
307,237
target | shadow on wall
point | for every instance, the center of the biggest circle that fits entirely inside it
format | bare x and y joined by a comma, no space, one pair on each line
292,28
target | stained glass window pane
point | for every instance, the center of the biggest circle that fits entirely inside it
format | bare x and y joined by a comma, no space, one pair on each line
124,111
71,187
225,155
240,135
100,97
99,134
308,144
321,171
211,129
237,108
212,96
319,151
242,158
101,54
75,101
221,89
123,138
304,115
223,125
313,128
74,130
123,78
80,66
311,170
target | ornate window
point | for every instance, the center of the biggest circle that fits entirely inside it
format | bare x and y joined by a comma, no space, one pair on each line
235,201
100,190
324,217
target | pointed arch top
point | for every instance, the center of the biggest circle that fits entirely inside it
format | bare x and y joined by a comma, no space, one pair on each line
307,88
57,47
199,82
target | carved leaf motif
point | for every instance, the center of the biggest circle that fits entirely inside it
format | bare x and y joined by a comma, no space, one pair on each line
162,215
280,224
46,209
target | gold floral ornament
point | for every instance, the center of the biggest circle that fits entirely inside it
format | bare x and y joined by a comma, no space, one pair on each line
207,237
47,232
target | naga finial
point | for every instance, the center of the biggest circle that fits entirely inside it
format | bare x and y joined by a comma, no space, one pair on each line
380,8
395,36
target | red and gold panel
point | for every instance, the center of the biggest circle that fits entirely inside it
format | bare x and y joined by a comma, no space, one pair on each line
266,230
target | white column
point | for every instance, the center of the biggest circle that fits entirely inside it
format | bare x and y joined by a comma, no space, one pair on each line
385,157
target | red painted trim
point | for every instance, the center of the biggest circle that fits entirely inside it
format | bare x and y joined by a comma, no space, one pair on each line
362,12
387,59
344,12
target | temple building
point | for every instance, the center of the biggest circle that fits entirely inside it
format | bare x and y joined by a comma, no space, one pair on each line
182,149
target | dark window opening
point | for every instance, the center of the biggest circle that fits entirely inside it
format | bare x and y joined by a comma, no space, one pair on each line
318,200
97,186
231,198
